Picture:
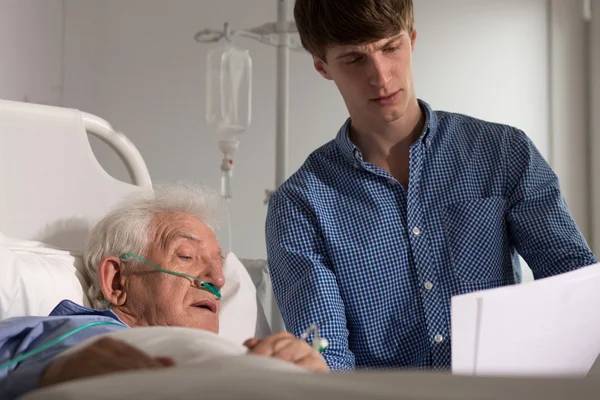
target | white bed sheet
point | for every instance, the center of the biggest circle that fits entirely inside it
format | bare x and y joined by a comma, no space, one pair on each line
210,367
244,377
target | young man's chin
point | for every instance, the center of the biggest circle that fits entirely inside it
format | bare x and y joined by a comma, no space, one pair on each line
390,111
392,114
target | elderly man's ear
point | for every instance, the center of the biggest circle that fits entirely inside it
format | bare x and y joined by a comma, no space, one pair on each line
112,280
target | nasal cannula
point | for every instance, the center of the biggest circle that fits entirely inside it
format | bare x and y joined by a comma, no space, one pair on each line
205,285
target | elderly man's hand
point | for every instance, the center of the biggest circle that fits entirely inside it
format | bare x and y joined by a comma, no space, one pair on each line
286,346
104,356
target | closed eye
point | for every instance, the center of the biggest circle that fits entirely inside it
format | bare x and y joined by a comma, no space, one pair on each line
185,257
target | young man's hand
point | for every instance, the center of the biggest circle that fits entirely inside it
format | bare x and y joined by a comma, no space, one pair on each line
104,356
287,347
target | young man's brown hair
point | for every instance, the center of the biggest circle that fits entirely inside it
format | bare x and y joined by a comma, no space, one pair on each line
323,23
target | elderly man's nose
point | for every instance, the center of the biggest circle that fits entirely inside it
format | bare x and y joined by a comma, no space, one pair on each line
220,282
215,276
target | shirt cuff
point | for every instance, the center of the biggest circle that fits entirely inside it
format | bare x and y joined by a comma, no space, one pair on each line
21,380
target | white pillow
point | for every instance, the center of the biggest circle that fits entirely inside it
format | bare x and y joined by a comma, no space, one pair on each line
35,277
259,273
237,317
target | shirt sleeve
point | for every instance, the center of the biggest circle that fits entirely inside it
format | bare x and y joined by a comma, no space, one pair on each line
541,227
304,284
18,336
22,380
21,335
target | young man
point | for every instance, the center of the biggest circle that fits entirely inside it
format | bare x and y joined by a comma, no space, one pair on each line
407,206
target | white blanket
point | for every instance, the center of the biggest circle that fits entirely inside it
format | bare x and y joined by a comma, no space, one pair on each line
187,346
210,367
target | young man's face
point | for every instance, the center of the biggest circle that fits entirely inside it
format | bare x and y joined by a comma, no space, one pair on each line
375,79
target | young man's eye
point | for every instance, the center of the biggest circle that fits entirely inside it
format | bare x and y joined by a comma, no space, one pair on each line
391,49
353,61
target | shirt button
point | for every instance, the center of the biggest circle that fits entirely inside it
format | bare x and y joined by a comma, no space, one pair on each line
428,285
416,231
438,338
428,141
357,154
391,182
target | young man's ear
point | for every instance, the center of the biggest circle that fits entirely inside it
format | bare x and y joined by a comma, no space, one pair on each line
321,67
413,39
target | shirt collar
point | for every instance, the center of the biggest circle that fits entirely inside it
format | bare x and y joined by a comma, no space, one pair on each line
67,307
353,153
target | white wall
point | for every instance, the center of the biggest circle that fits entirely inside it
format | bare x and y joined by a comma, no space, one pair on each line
31,50
569,107
594,49
488,59
144,72
135,63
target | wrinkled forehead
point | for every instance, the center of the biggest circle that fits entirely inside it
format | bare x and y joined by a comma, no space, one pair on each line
170,229
175,237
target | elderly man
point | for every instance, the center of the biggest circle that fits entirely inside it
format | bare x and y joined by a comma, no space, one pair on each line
155,261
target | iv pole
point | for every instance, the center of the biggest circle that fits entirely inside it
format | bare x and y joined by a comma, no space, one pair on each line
282,99
283,35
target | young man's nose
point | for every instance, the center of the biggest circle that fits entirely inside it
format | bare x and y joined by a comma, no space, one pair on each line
378,72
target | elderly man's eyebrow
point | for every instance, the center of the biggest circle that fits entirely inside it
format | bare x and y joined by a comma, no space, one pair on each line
179,234
187,235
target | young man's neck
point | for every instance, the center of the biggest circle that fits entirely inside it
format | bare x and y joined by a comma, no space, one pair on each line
388,146
375,142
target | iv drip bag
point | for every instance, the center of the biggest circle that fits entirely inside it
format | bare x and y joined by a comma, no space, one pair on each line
228,90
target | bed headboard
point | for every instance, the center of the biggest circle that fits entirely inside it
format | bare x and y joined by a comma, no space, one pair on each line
52,188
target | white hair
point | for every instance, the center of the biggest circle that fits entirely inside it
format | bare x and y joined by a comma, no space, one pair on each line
126,228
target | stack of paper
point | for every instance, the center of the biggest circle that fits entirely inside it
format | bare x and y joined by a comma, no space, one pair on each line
545,327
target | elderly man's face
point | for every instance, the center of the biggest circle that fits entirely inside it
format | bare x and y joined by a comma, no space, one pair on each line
181,243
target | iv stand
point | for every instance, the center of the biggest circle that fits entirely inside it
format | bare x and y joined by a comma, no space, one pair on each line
283,35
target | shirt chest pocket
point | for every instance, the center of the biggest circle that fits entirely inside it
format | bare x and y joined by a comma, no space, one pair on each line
477,239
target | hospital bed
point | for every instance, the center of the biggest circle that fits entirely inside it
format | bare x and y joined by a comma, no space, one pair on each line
52,190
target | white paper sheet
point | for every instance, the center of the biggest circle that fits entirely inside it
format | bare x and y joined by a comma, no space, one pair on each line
546,327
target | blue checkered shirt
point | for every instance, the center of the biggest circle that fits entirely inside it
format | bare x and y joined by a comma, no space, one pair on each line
375,265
